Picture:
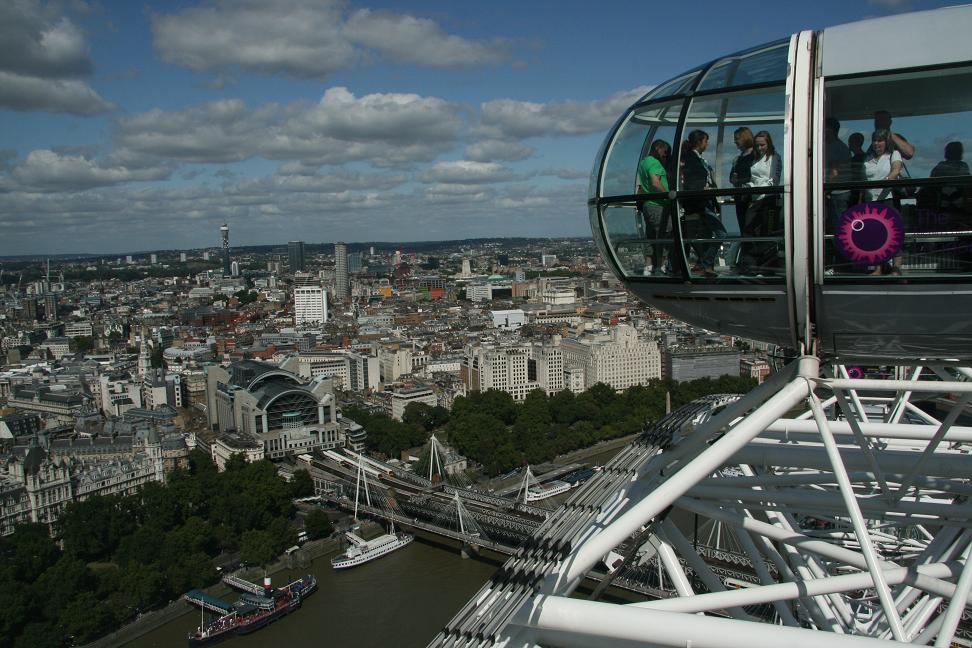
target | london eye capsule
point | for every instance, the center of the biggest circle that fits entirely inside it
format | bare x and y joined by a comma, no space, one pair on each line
807,192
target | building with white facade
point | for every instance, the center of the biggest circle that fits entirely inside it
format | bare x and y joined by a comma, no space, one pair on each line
479,292
350,370
619,359
310,305
394,362
507,369
549,366
402,398
508,319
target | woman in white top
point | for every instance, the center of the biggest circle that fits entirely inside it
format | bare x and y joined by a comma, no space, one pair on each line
766,172
883,162
763,216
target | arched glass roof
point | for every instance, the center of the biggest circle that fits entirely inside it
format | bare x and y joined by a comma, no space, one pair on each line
764,64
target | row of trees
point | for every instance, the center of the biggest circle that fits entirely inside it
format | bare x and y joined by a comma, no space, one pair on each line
493,430
121,555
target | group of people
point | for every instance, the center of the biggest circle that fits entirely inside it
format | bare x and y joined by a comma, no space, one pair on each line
759,215
758,165
885,160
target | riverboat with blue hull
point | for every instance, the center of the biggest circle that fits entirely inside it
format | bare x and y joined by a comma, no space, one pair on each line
253,611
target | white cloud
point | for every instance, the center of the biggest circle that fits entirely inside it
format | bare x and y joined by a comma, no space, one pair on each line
42,57
491,150
301,38
36,41
467,172
511,119
218,131
383,129
407,39
26,93
565,174
519,203
307,38
46,170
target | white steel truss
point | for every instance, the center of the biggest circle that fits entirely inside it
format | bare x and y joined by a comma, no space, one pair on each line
845,500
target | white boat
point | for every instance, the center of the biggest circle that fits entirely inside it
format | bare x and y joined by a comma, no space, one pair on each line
362,551
543,491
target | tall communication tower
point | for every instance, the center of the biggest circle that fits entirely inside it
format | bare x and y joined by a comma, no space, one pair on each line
224,232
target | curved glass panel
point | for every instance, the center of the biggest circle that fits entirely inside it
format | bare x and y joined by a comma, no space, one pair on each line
762,65
881,131
640,240
678,85
720,116
714,250
632,143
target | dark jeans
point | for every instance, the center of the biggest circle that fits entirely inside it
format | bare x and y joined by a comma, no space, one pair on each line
699,226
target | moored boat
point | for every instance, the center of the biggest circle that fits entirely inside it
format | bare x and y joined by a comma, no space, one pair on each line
254,611
361,551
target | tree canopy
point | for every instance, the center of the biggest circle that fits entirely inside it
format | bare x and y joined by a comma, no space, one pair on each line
123,555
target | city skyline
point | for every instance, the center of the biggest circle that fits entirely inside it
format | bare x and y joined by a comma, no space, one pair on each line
138,127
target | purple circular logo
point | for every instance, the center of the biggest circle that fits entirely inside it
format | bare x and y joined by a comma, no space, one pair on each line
855,373
869,233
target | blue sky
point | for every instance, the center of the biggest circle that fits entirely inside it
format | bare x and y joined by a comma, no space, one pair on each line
131,126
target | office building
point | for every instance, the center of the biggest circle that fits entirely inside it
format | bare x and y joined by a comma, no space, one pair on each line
486,367
310,305
619,359
340,272
691,362
50,307
402,398
295,256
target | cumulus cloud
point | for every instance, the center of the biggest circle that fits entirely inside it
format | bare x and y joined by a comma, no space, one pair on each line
307,38
42,57
384,129
26,93
35,41
217,131
510,119
467,172
565,174
47,170
338,182
407,39
492,150
299,38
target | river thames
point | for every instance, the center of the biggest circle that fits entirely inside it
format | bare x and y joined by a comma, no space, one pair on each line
400,600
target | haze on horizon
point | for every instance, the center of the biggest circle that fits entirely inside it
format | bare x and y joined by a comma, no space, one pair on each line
139,126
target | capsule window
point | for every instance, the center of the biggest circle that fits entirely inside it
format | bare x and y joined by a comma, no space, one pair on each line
762,65
897,185
730,165
632,143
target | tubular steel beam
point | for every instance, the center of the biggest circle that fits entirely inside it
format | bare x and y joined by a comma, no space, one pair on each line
702,466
